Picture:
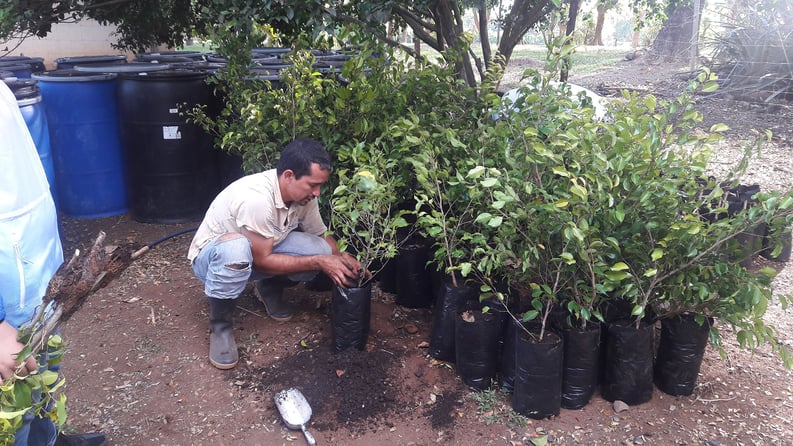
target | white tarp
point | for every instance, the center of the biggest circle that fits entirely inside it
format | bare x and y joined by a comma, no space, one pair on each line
30,247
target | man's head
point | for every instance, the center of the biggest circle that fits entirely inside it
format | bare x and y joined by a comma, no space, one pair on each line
300,154
303,168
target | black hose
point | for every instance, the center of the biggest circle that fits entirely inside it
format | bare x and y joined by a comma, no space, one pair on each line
170,236
151,245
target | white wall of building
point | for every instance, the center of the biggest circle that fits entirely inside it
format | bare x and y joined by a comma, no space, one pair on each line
85,38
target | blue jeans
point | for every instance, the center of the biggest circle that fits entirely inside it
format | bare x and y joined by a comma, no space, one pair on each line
222,281
38,431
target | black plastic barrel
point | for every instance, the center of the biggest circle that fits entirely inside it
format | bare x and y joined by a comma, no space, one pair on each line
170,56
271,51
82,114
72,62
170,162
19,70
36,63
28,96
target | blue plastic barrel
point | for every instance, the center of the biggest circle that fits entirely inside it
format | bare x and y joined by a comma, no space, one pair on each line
28,97
82,114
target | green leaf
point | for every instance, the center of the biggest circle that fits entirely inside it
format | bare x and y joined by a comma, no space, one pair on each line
540,441
484,217
578,191
476,172
616,276
657,254
489,182
48,377
710,87
719,128
465,268
11,415
620,266
619,213
495,221
530,315
650,272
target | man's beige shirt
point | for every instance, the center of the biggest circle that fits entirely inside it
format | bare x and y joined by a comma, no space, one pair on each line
254,202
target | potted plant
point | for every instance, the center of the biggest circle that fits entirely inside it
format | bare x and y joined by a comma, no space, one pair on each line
544,204
365,219
445,214
670,259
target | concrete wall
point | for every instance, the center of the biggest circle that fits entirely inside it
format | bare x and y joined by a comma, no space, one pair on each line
85,38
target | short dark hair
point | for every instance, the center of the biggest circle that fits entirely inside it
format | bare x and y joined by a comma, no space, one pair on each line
300,154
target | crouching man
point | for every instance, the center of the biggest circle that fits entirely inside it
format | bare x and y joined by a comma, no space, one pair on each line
266,227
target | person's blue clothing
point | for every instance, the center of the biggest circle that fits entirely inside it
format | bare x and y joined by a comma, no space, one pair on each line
30,246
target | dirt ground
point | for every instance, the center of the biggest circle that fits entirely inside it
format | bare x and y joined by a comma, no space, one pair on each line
137,366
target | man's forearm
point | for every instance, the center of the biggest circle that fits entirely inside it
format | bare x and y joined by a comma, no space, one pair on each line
284,264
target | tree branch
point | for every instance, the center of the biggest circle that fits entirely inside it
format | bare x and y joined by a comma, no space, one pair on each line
350,19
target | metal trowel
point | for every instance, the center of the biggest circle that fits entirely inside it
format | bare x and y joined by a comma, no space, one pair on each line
295,411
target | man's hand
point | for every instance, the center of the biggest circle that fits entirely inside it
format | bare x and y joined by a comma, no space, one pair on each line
344,270
9,348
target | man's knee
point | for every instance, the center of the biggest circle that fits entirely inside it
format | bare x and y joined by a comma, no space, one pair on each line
233,251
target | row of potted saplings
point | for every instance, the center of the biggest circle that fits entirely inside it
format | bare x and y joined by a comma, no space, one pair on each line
564,370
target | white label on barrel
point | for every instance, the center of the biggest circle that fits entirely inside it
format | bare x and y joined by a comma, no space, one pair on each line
171,132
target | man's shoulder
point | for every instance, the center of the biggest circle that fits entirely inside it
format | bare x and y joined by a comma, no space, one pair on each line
259,181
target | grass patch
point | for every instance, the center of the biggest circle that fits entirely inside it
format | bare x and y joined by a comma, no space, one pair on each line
493,408
586,60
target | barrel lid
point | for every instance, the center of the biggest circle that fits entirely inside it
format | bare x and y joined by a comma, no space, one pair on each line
176,74
132,67
21,59
170,56
278,51
257,58
71,75
91,59
270,68
21,86
14,66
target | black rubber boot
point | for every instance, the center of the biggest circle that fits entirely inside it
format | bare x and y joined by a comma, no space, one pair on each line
91,439
222,348
270,292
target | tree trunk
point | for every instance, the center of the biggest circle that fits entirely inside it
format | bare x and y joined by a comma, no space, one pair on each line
481,21
674,39
523,15
571,19
598,39
441,26
635,39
